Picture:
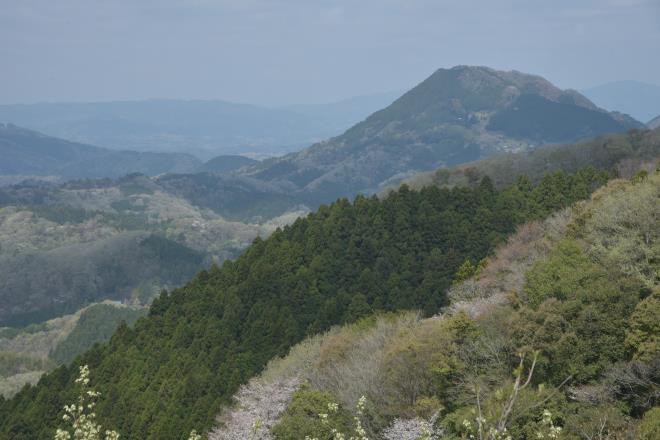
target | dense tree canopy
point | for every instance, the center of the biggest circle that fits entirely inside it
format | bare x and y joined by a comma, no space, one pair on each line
555,335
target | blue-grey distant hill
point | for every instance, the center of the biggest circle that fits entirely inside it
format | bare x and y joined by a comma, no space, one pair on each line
30,153
654,123
226,163
203,128
639,100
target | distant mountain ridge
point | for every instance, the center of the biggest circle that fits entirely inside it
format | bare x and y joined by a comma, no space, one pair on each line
456,115
205,128
27,152
654,123
226,163
640,100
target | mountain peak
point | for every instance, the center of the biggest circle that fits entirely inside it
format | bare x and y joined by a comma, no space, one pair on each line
456,115
477,79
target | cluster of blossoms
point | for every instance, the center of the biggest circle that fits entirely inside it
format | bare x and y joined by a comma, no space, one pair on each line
550,430
258,407
425,430
194,435
360,432
81,416
82,419
482,431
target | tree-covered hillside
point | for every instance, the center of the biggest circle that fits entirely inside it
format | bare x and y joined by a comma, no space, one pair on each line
622,153
176,368
96,324
65,246
28,352
576,294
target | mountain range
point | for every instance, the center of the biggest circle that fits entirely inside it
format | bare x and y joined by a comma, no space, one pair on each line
201,128
26,152
457,115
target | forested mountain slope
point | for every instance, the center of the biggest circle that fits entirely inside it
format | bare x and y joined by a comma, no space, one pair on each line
621,152
27,152
581,287
348,260
225,164
28,352
456,115
190,209
65,246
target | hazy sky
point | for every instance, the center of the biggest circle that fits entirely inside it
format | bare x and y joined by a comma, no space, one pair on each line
304,51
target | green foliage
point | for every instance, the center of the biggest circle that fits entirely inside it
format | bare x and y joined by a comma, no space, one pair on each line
649,428
623,231
464,272
15,363
564,273
643,337
12,332
96,324
621,152
301,417
597,421
421,364
534,117
578,316
200,342
62,214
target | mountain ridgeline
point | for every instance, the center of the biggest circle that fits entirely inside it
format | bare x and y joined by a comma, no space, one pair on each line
204,128
29,153
623,153
654,123
639,100
456,115
344,262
